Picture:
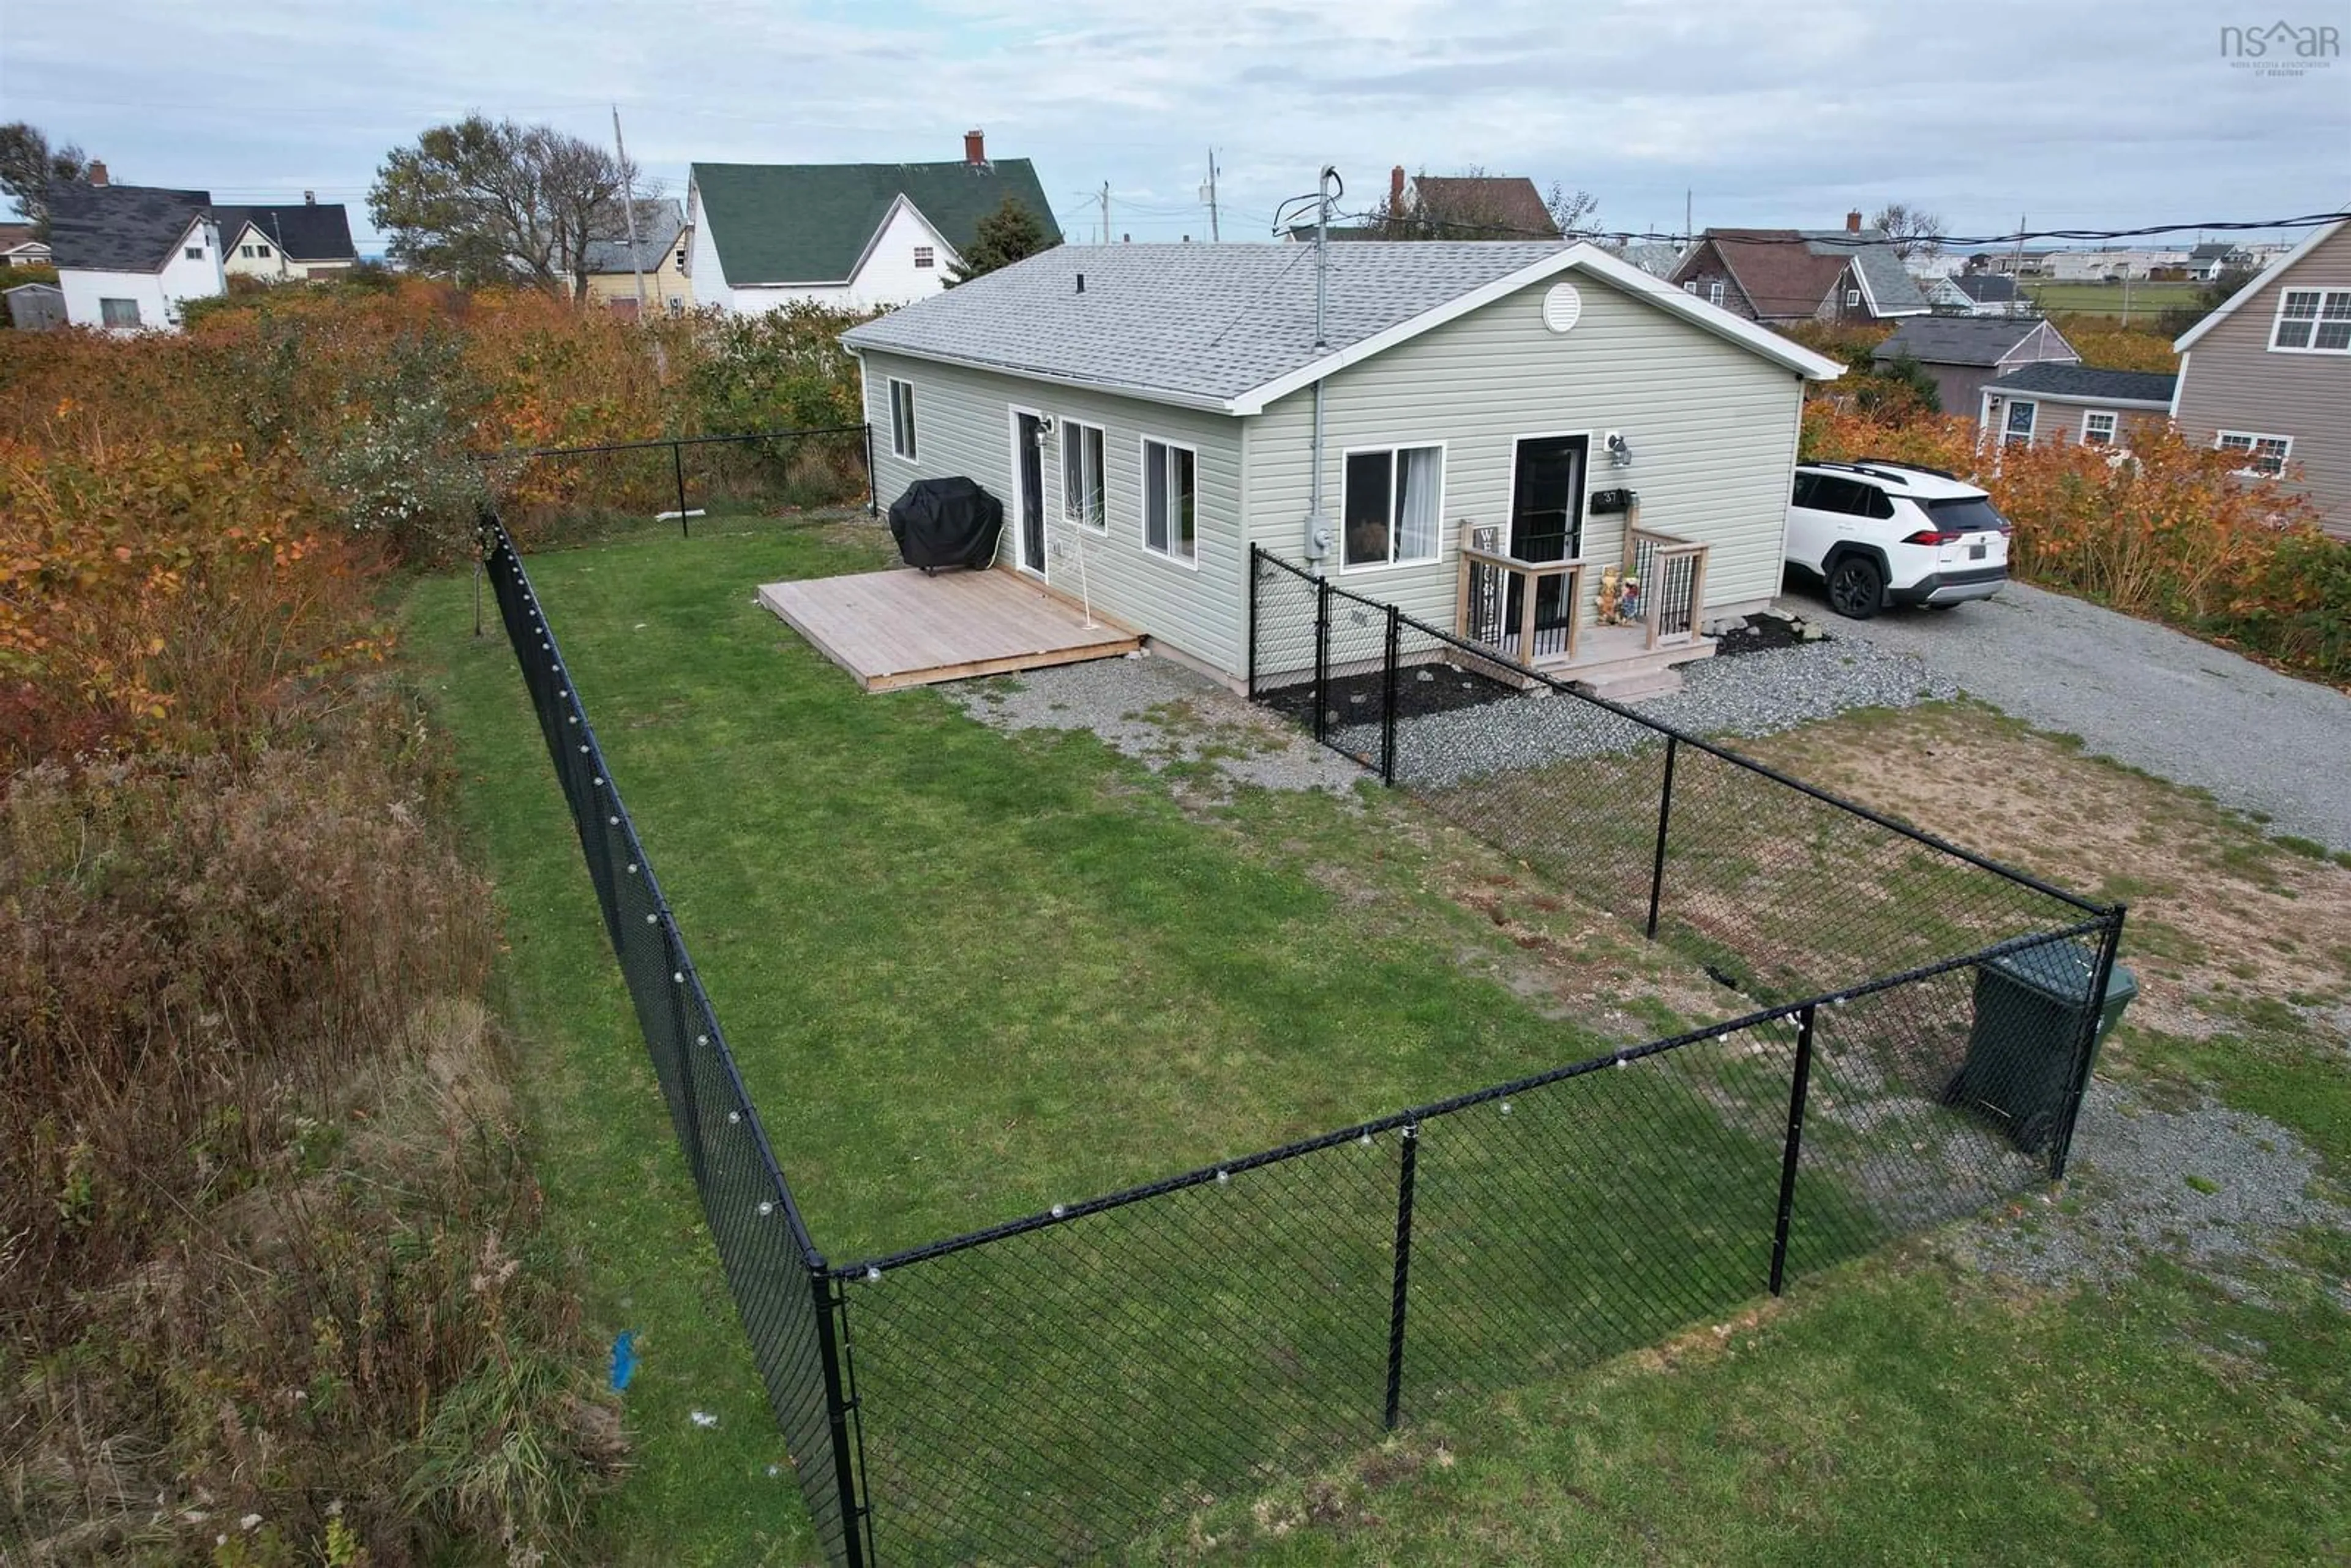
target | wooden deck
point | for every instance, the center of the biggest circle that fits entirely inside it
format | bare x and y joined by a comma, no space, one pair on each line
901,628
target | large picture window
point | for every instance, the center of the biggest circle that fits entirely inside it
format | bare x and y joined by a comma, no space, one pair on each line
1169,525
2312,322
901,418
119,312
1392,509
1081,475
2264,454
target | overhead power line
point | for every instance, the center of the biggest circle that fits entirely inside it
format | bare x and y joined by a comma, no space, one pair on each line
1468,229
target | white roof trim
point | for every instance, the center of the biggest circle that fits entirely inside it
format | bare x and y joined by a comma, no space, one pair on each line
2269,275
1578,257
1136,391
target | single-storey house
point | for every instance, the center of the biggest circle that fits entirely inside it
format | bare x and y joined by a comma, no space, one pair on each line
2211,259
1149,413
1975,294
287,242
1850,274
2269,374
128,256
664,247
1961,354
851,235
2054,402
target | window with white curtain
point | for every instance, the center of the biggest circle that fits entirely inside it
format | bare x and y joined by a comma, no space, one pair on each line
1392,507
1081,473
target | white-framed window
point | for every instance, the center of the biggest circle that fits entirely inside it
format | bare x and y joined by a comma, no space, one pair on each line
261,250
119,312
2018,430
1170,509
2312,321
2098,427
901,418
1691,287
196,253
925,256
2265,455
1713,292
1081,475
1392,505
1853,298
245,250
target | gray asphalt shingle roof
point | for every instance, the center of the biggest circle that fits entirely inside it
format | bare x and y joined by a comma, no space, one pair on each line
1201,322
120,228
2051,380
1955,339
1892,289
659,223
1986,287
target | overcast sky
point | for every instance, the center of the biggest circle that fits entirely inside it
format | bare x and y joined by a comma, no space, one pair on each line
1767,111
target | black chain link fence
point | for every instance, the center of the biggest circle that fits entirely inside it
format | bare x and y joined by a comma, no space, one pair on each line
1056,1386
554,496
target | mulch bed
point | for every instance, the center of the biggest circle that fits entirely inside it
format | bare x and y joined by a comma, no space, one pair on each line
1760,634
1357,699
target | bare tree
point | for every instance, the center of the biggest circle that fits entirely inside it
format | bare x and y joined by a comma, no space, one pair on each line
1914,231
1570,210
483,201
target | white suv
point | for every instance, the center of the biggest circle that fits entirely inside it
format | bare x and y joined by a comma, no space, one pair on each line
1878,533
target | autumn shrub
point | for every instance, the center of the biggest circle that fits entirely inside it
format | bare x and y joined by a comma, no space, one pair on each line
2167,529
2107,345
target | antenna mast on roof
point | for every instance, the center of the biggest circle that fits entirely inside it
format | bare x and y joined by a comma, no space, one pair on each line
628,212
1321,248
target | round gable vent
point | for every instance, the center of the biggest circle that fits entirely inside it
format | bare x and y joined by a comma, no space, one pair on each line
1562,306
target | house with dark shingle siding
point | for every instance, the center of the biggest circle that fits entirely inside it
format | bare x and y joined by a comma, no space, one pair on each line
852,235
128,256
1961,354
1851,273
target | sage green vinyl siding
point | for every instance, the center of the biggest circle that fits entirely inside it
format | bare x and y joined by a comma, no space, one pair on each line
1713,428
2230,380
963,426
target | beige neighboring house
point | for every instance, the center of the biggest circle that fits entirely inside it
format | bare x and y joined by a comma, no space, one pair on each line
288,243
2269,374
663,246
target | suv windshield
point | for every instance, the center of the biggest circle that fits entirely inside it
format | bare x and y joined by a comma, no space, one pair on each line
1965,515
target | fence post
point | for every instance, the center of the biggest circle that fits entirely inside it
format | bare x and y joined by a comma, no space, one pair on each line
2102,971
1403,1270
1388,696
1797,1088
837,1406
677,462
1257,575
1322,659
1665,815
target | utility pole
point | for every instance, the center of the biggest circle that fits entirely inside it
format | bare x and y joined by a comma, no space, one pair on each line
629,213
1105,211
1688,237
1208,194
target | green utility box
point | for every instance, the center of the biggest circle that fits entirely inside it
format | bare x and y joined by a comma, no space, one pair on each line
2028,1019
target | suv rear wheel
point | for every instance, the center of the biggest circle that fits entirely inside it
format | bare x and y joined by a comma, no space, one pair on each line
1856,586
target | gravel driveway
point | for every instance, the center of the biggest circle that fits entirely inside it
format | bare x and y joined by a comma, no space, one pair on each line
2140,693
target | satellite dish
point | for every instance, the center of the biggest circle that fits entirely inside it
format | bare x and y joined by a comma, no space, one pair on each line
1562,306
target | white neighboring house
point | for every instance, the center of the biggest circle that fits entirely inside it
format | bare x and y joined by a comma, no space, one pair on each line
285,243
852,235
19,247
128,256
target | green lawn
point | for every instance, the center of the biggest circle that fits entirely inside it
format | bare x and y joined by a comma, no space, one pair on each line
969,976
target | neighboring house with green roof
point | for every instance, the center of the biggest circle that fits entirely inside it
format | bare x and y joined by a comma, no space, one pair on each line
854,235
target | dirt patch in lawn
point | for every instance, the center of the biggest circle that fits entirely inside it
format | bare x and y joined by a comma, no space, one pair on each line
2221,917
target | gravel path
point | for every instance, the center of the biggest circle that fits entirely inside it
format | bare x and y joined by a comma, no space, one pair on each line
2140,693
1754,694
2213,1187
